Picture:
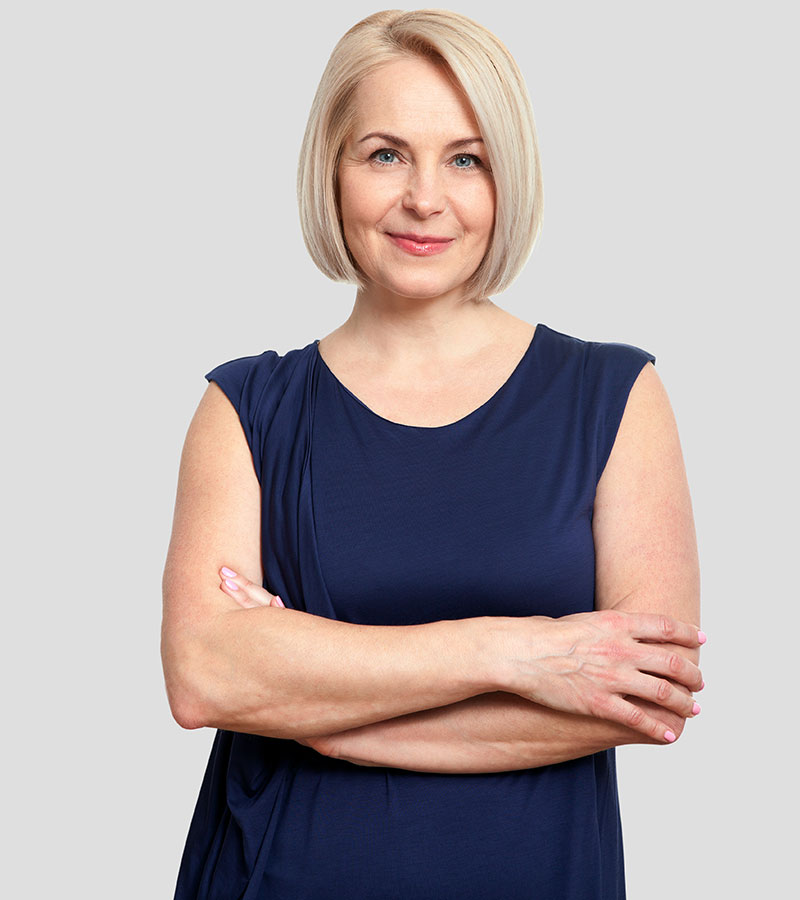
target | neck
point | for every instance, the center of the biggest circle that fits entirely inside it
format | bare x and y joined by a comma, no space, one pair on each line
411,329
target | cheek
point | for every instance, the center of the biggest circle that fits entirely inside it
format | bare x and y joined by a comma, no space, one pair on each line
361,198
489,206
478,209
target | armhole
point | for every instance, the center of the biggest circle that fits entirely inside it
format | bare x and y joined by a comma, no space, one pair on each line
626,364
243,381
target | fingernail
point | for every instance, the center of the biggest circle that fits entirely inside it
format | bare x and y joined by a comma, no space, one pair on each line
232,584
280,602
701,637
228,573
702,685
669,737
696,709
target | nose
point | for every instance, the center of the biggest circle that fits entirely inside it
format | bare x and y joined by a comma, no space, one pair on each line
425,193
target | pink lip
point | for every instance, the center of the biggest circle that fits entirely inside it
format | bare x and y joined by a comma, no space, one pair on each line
421,245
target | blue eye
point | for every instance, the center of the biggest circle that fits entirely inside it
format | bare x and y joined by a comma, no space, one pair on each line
383,162
474,162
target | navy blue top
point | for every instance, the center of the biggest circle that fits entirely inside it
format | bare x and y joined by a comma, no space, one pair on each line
371,521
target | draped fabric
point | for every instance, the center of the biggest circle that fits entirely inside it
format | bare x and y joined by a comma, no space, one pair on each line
402,543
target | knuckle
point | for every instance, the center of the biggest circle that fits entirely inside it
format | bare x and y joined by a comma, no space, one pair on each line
605,617
675,663
663,690
635,717
616,619
598,706
665,627
323,745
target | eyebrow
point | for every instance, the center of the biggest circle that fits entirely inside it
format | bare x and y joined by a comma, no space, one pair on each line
399,142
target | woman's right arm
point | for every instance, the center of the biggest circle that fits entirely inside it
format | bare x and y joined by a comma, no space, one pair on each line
298,675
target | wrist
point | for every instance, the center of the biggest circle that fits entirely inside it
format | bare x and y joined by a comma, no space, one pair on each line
513,644
500,647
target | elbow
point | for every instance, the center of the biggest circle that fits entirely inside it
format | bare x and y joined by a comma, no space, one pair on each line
184,693
186,710
205,693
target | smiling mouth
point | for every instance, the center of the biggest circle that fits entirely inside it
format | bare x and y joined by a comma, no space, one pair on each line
420,245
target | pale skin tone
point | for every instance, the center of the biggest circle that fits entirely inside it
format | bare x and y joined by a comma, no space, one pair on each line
475,695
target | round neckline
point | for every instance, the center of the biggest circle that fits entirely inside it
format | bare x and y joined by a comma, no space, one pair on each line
470,415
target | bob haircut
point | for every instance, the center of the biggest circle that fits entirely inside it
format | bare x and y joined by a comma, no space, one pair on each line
484,70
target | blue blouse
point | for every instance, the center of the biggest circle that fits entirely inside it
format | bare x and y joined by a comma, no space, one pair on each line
370,521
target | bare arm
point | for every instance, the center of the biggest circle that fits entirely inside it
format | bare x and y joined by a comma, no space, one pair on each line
494,732
646,562
286,673
281,673
644,533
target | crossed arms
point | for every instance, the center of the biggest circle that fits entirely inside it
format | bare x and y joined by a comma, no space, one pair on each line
473,695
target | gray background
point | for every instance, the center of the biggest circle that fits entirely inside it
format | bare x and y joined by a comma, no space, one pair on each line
150,232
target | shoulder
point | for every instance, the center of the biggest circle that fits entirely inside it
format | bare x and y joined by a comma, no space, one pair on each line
236,374
600,375
596,359
606,370
647,434
258,385
645,458
250,382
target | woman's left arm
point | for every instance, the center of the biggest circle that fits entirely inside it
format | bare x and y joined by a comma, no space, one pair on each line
644,534
646,561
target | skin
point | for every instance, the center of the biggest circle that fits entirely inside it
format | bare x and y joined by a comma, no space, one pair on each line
571,686
425,187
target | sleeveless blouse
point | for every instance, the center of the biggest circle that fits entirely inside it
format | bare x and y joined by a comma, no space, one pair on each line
370,521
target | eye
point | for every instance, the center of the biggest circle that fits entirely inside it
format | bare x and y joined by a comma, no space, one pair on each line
467,161
376,156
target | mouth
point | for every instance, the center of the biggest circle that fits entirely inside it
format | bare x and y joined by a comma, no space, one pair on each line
420,244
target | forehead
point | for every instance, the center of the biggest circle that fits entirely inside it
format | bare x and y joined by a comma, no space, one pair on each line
412,96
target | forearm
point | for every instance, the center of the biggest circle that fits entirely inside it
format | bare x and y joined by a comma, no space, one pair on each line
287,673
492,732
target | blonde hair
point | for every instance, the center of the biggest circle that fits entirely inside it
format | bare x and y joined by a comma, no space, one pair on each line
489,77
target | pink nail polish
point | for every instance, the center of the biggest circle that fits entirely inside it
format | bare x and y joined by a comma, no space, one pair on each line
228,573
669,737
280,602
232,584
696,709
701,637
702,685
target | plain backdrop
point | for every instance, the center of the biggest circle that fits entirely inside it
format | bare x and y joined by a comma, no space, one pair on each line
150,232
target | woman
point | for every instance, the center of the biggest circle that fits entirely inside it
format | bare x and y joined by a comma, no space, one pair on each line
444,599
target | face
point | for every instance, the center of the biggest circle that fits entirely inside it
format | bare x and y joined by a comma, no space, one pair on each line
416,193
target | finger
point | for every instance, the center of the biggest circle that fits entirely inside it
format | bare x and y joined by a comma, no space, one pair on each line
239,595
617,709
664,629
672,722
662,692
244,591
672,666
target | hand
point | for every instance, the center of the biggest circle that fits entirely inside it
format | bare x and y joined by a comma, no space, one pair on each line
246,593
588,663
671,720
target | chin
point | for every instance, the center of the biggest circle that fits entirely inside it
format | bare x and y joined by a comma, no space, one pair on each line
422,287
